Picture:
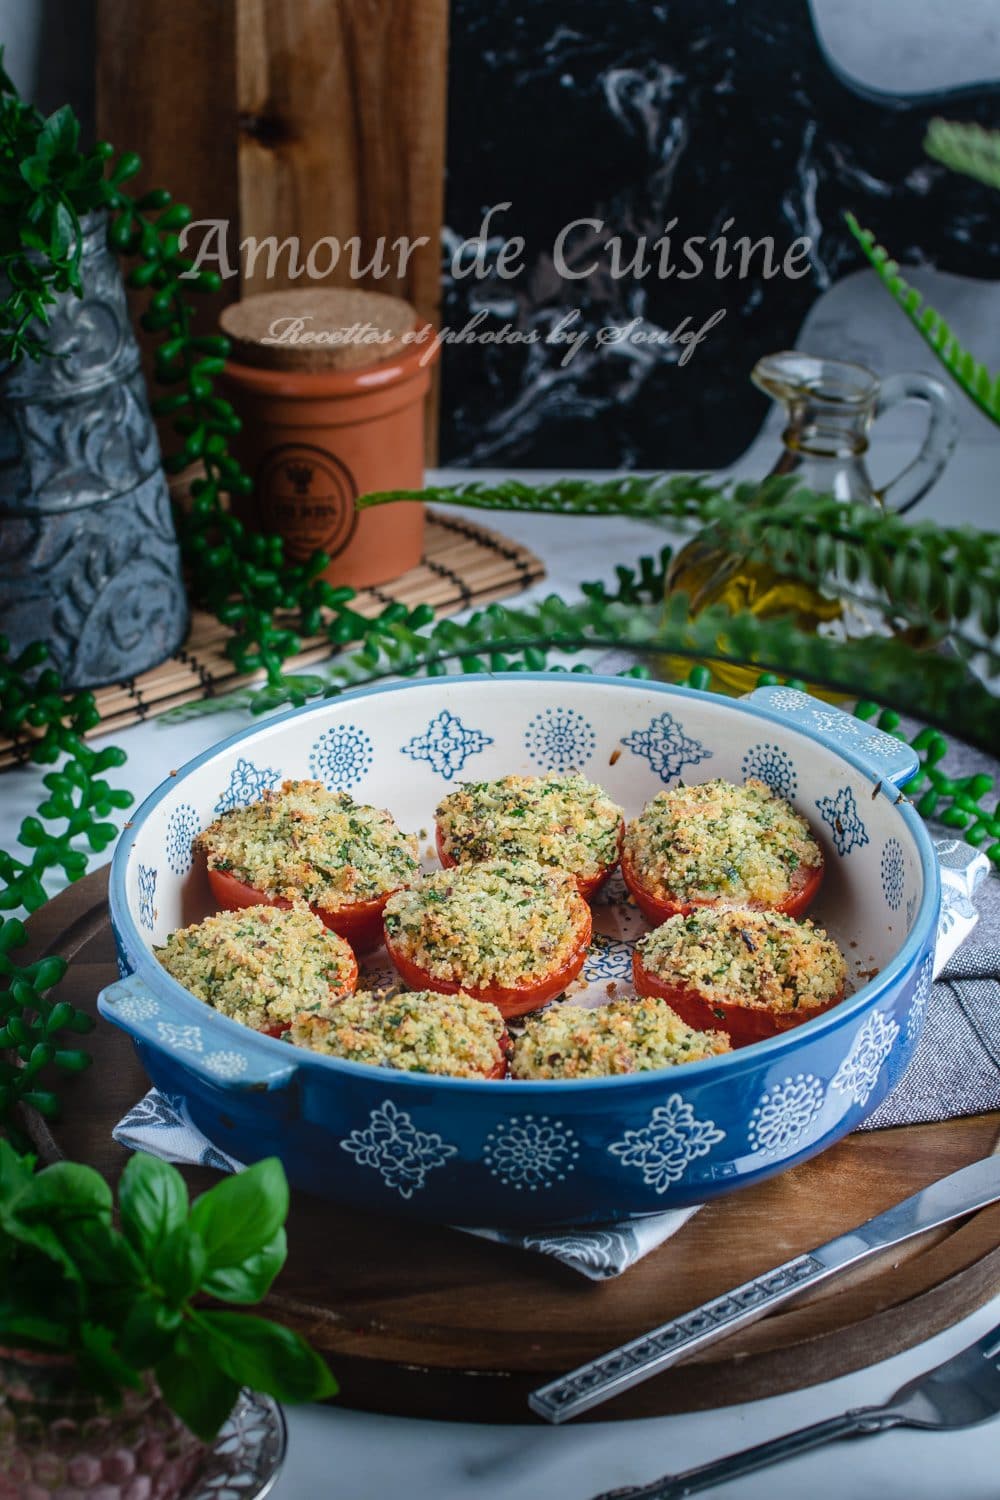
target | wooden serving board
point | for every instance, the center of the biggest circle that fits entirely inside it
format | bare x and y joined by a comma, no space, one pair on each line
424,1321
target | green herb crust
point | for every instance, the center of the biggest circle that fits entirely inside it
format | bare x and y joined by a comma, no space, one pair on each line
561,820
720,842
498,922
304,842
628,1036
416,1032
751,957
262,965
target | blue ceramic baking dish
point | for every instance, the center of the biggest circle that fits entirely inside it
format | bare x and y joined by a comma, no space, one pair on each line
512,1154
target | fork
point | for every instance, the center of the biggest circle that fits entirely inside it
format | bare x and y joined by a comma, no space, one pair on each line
962,1392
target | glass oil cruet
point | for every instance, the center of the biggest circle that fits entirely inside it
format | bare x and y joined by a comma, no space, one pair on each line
830,407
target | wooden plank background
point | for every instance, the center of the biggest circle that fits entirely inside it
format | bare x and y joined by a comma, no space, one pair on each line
289,117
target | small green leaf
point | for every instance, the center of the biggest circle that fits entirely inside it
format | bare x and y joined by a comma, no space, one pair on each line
153,1201
266,1356
178,1264
241,1214
251,1280
194,1386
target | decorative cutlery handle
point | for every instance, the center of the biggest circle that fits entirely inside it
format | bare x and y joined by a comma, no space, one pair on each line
676,1486
617,1371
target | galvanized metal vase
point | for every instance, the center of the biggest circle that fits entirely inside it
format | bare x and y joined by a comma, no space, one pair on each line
89,561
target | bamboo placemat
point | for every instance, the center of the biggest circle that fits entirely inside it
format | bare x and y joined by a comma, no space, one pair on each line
463,565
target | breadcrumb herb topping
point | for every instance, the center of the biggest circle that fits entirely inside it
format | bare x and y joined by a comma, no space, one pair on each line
561,820
716,841
307,843
499,922
418,1032
628,1036
753,957
261,965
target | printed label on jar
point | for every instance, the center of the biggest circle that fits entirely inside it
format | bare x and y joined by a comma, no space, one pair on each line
307,496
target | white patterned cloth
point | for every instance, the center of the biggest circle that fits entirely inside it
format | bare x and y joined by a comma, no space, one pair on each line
955,1071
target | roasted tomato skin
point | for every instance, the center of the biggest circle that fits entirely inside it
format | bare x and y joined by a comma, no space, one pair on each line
587,885
656,909
501,1067
742,1023
360,924
514,1001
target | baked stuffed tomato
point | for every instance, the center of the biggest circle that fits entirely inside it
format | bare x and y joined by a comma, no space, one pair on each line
720,845
627,1036
511,932
751,974
455,1036
560,820
262,965
303,842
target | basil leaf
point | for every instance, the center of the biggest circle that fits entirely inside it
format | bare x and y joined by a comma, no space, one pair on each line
66,1190
251,1280
266,1356
194,1386
241,1214
153,1200
178,1264
148,1334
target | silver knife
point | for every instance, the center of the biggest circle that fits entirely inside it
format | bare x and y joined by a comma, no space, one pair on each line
592,1384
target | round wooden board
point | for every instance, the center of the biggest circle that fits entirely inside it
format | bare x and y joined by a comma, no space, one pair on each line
424,1321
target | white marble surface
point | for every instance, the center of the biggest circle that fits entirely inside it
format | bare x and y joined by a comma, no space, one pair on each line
362,1457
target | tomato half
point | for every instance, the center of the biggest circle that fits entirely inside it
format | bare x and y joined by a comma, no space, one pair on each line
500,1067
587,885
742,1023
360,923
805,882
515,1000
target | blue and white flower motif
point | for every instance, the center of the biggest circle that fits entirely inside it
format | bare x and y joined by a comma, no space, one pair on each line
529,1152
137,1007
608,958
147,895
227,1064
182,827
784,1113
247,783
893,873
447,744
341,756
665,745
560,739
772,765
398,1151
921,994
835,723
664,1148
183,1038
859,1072
841,812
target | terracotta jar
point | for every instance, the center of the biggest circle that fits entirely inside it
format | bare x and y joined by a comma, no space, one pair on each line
324,422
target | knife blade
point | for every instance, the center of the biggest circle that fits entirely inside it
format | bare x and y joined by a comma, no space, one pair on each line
962,1192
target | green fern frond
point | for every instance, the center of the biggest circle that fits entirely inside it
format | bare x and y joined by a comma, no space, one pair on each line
970,374
965,148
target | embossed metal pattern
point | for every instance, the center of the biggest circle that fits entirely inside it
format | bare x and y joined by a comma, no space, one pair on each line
89,560
635,1359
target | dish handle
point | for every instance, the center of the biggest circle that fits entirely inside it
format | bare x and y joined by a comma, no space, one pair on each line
884,757
251,1062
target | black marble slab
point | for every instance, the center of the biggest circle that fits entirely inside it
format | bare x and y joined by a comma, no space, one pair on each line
635,114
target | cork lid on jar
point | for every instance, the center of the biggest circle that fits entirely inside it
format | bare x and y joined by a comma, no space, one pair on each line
317,328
